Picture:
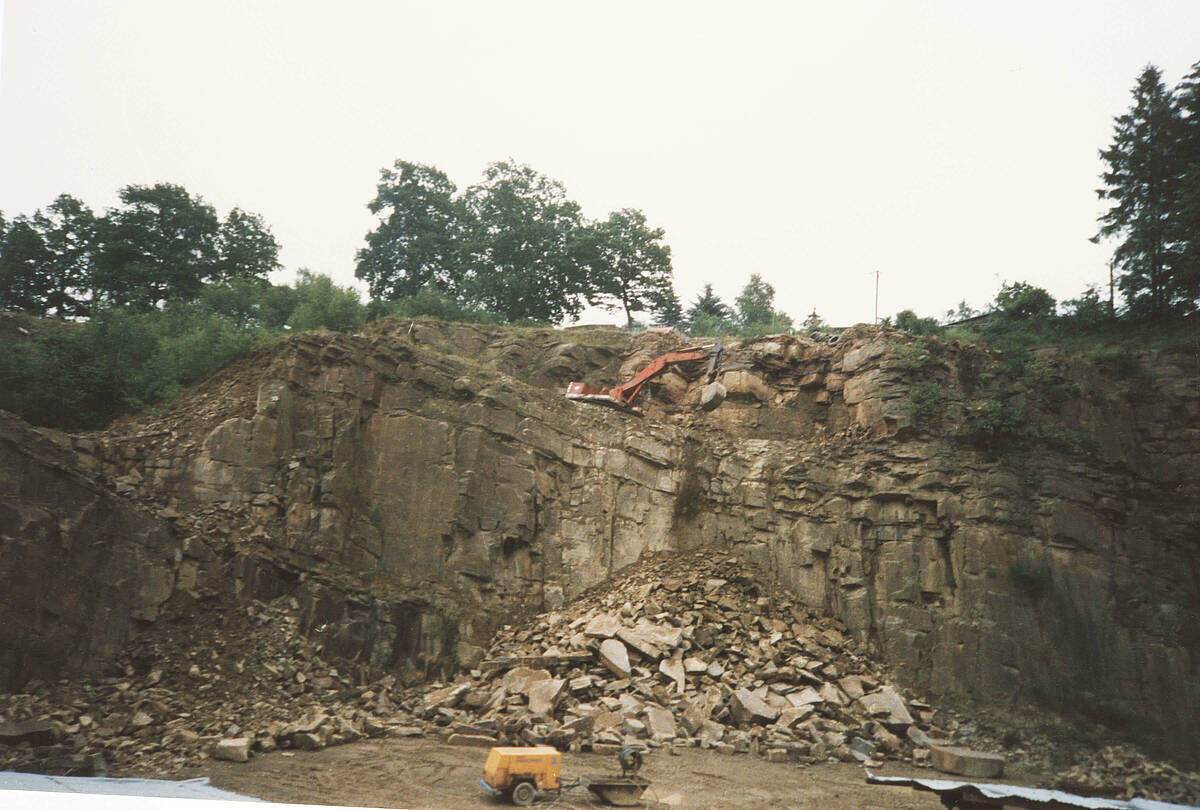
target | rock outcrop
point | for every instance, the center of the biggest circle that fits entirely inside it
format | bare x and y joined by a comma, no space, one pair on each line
417,488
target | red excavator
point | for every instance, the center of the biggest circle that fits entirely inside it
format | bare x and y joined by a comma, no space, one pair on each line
622,396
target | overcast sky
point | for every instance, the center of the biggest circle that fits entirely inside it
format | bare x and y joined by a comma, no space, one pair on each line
947,145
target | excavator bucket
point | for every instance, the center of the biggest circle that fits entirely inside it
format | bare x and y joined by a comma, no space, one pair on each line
712,396
620,791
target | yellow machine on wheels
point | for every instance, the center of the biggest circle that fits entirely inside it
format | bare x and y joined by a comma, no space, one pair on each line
520,773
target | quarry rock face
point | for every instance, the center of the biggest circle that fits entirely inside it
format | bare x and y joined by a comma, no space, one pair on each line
420,488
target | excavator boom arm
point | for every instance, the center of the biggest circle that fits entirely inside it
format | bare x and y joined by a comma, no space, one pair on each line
629,389
622,396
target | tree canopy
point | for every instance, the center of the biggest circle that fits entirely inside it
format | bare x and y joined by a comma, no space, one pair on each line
756,313
514,244
633,265
418,242
1153,184
160,244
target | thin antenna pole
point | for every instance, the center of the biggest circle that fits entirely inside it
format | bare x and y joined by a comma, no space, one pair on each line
877,297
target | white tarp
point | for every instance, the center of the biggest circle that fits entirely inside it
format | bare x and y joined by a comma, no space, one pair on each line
159,788
1040,795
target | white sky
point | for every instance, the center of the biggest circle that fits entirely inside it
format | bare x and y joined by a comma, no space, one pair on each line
948,145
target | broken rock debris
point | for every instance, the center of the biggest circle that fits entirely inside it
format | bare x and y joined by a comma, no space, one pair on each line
680,651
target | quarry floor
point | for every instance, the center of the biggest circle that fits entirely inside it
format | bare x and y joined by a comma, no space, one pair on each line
425,774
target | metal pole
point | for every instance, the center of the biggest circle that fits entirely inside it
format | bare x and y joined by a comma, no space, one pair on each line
876,297
1112,310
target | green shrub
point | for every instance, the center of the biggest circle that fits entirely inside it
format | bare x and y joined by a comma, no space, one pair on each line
1118,361
1022,301
321,304
925,402
995,423
913,356
81,376
430,303
909,321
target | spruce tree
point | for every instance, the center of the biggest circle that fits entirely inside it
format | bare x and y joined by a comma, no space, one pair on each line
1187,280
1143,181
708,314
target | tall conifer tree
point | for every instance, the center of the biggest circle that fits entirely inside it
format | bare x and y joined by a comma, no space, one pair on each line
1188,276
1143,181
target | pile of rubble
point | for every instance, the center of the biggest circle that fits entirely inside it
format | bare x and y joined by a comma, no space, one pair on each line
224,683
1122,773
679,650
684,651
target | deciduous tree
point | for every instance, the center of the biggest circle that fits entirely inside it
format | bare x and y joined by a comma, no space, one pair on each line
23,257
246,247
160,244
527,259
419,241
632,266
756,312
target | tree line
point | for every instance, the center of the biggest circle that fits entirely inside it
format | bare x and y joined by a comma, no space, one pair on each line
160,244
159,289
1152,179
513,245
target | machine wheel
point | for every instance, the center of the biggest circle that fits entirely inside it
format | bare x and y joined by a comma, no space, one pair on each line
523,794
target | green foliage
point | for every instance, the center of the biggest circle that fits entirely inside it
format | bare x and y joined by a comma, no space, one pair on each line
526,247
249,302
82,376
246,249
1119,361
754,305
632,266
429,303
664,303
22,255
756,313
1187,277
925,402
161,244
321,304
514,245
909,321
705,325
1146,180
915,355
1122,363
961,313
1021,301
995,423
1087,311
419,242
709,315
998,424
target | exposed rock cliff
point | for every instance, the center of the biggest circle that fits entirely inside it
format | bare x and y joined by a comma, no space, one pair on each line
419,486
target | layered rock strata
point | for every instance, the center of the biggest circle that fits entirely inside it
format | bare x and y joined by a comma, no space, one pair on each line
437,472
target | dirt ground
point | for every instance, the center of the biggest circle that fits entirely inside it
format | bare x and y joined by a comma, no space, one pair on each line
425,774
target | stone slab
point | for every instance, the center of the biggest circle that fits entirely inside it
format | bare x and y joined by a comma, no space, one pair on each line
966,762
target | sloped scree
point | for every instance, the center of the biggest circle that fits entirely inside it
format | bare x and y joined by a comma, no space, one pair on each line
230,680
692,650
682,651
676,650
